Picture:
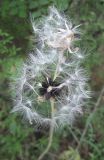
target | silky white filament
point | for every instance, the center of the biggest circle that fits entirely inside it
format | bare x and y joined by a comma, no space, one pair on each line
57,58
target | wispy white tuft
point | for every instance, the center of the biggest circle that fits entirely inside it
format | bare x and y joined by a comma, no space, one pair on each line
58,58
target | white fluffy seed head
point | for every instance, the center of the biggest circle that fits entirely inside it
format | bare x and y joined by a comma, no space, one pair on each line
57,32
56,38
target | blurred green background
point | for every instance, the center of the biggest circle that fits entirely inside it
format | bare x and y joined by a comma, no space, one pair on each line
85,139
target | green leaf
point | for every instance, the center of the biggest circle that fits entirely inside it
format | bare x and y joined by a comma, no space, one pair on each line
61,4
70,154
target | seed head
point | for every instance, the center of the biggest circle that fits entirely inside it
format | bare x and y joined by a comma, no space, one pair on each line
52,71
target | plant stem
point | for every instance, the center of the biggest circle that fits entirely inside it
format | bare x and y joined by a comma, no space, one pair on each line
60,58
89,119
51,132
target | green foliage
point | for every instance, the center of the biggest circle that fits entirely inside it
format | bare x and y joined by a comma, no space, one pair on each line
17,140
14,8
70,154
21,8
7,48
8,54
61,5
12,137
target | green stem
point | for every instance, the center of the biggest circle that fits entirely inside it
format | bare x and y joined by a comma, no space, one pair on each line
51,132
58,65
